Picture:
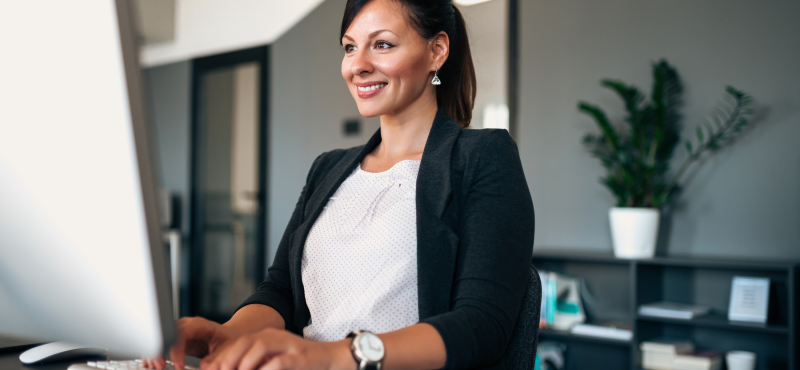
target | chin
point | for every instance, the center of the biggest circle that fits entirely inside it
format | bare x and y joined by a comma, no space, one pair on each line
369,110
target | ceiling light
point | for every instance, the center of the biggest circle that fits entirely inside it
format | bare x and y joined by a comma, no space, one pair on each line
469,2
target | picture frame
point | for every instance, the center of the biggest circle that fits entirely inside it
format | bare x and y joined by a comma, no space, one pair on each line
749,300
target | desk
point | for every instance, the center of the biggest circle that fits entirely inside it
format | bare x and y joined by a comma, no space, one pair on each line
10,361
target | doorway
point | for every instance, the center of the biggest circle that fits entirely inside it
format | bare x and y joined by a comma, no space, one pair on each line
229,159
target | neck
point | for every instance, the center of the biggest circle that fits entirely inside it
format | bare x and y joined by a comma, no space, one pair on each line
404,134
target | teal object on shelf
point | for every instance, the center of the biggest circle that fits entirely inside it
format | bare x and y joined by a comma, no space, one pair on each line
552,290
538,364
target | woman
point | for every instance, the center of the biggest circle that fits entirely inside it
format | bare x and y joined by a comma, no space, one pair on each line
423,236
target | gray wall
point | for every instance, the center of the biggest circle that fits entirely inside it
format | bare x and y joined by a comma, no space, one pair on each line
308,102
169,101
745,201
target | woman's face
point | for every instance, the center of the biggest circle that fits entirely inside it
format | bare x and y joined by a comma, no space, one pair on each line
386,62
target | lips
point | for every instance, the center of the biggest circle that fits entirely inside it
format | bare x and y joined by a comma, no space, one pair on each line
369,89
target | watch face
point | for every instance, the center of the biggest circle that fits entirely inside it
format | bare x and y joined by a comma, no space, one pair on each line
371,346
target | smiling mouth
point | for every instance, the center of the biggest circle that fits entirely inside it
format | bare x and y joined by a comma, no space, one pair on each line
370,88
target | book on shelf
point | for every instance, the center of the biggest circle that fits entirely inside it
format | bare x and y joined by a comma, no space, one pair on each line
673,310
619,331
660,354
705,360
561,301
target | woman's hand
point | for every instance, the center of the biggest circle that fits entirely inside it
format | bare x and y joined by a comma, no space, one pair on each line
272,349
196,337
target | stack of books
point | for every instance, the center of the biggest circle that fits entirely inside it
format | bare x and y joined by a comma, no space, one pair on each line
709,360
660,354
619,331
673,310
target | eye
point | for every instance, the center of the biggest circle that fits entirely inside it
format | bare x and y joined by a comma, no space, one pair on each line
383,45
349,48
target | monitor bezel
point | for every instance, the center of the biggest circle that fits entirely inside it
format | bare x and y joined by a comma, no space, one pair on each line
129,42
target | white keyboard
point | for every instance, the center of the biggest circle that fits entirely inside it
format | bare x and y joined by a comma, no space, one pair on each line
121,365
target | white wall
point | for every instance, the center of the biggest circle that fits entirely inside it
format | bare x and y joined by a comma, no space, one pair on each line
207,27
746,199
487,29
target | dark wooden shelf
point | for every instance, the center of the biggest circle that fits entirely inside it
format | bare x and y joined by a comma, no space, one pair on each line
577,255
552,254
567,336
719,322
619,286
717,263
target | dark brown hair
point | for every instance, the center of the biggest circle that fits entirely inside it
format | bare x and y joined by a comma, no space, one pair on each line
456,94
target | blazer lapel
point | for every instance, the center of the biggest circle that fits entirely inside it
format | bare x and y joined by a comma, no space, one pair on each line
433,182
436,242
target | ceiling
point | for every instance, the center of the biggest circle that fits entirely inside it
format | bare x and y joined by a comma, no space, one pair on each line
177,30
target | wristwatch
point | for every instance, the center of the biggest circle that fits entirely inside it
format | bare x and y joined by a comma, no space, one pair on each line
367,350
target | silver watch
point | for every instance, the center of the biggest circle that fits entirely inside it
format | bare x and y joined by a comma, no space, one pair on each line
367,350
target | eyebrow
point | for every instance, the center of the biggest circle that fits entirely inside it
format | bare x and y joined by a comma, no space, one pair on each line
371,35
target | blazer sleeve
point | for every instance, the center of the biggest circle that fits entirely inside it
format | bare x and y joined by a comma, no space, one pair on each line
495,230
276,289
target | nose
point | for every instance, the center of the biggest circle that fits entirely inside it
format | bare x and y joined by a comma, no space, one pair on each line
361,63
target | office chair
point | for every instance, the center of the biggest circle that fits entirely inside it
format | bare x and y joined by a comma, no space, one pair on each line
521,351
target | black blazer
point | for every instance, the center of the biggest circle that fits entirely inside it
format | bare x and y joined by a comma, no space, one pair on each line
475,228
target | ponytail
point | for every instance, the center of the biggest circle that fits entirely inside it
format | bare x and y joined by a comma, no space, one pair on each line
456,95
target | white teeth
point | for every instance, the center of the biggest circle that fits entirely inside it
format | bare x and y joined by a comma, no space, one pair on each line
370,88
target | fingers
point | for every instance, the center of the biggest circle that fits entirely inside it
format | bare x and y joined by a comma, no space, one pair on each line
256,355
228,357
160,364
191,329
154,363
249,352
282,362
176,353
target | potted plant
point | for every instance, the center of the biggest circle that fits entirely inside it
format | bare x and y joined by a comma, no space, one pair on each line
637,154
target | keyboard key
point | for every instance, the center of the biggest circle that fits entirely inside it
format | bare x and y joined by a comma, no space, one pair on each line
81,367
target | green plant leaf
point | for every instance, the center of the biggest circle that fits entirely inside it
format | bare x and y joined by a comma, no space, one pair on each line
600,118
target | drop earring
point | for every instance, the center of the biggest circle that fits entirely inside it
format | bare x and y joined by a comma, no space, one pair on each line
436,81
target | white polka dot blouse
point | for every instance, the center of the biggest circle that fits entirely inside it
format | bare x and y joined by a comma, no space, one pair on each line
359,264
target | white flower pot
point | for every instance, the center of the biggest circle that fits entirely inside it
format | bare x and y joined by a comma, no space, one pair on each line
634,231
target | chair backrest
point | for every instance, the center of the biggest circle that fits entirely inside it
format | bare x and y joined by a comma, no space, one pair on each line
521,351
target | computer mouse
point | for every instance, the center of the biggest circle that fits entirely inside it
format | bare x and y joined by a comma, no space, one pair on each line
58,351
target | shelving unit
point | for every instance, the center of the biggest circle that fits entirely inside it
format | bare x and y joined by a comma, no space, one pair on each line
620,286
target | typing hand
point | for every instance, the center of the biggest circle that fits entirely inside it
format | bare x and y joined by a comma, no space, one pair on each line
196,337
272,349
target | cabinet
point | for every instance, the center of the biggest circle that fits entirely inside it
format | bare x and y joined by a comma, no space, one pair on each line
620,286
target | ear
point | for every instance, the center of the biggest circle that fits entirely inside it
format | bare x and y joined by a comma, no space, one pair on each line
440,50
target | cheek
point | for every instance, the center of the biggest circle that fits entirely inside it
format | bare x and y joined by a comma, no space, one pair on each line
346,74
407,70
412,81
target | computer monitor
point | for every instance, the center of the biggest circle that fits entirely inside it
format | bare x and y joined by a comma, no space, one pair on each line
80,252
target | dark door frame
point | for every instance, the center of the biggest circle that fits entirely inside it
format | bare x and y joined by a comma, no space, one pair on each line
512,54
200,66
